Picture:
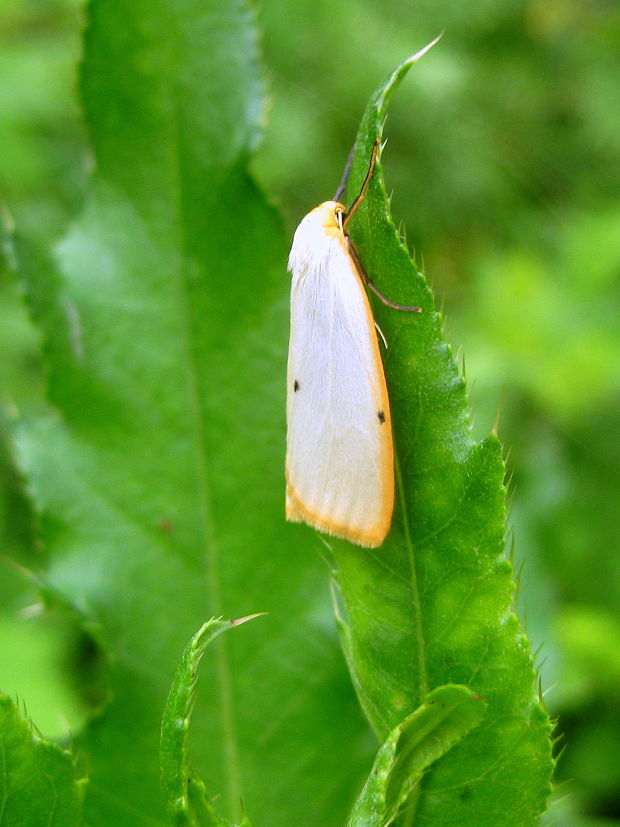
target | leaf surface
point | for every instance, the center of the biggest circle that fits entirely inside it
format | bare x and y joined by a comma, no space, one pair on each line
157,472
446,716
157,469
38,780
434,604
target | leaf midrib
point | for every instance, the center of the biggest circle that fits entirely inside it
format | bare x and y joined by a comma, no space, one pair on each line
221,653
415,592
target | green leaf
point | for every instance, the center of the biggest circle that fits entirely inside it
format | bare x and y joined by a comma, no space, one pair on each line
38,781
158,470
433,605
447,715
188,802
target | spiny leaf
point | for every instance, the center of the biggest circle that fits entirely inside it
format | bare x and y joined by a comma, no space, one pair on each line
188,802
432,606
447,715
38,780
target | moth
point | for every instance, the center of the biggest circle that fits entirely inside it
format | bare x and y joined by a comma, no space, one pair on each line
339,451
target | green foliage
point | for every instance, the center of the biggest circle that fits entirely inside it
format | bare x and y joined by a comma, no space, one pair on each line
42,164
157,473
437,595
448,714
504,161
187,798
38,782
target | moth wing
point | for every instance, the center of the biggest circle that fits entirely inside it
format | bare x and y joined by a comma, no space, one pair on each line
339,464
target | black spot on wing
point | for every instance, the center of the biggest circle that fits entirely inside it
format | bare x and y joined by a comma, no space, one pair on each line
381,416
295,385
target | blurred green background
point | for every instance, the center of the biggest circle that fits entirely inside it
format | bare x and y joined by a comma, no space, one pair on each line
504,159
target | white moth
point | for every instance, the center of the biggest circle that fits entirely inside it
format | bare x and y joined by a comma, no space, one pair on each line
339,457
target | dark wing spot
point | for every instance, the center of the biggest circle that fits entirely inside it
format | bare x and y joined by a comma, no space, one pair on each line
381,416
295,385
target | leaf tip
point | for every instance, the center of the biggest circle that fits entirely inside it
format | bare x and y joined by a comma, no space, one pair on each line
240,620
414,58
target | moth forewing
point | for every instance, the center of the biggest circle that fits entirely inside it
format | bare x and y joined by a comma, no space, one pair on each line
339,460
